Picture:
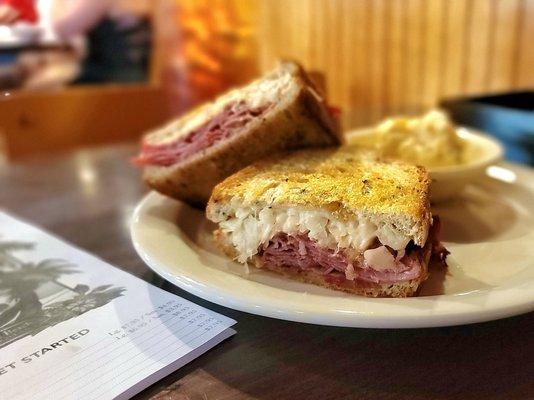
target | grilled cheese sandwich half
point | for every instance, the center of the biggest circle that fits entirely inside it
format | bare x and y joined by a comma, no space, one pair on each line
332,218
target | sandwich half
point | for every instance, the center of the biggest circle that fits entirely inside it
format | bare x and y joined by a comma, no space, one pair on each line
330,218
280,111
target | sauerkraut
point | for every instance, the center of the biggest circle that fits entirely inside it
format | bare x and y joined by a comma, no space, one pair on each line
249,227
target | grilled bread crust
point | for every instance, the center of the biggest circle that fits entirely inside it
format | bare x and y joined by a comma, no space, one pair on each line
341,181
300,120
401,289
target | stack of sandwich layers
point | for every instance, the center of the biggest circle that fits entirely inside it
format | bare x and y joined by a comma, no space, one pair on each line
326,218
333,217
280,112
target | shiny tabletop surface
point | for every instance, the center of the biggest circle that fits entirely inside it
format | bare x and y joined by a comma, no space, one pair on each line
87,197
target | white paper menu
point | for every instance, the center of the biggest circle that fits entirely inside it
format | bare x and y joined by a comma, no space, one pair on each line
74,327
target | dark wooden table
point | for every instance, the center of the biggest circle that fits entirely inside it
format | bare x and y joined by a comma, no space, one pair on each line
87,197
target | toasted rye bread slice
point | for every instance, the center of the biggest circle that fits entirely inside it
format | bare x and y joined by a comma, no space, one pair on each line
299,118
393,196
368,289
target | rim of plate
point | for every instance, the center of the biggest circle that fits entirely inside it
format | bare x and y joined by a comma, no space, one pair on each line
348,311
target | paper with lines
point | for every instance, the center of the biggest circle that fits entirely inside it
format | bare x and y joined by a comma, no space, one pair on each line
74,327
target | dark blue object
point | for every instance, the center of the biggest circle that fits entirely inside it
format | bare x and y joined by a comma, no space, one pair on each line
115,54
507,116
7,58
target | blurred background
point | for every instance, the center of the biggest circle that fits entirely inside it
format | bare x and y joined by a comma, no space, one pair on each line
77,73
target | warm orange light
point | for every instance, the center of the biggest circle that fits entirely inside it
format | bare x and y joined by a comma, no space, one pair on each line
216,49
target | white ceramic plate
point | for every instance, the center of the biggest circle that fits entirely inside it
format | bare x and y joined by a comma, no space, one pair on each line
488,230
